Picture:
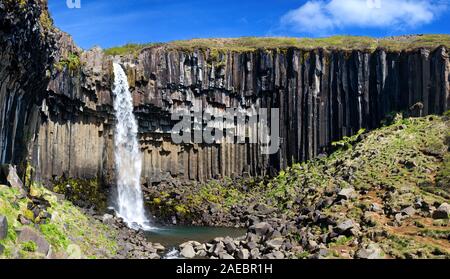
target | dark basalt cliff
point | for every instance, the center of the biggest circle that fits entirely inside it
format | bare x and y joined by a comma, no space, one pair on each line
62,121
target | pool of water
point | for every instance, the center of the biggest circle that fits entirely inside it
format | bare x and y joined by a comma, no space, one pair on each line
173,236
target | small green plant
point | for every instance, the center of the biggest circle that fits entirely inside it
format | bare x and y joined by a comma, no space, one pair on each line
29,246
347,142
53,234
72,62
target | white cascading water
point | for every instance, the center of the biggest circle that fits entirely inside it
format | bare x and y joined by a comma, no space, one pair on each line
130,205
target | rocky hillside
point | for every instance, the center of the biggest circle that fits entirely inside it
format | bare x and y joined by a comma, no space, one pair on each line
383,194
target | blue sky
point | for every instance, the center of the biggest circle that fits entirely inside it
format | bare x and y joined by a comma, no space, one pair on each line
116,22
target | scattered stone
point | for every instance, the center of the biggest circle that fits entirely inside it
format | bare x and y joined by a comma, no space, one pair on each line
261,229
278,255
3,227
409,211
28,234
225,256
159,247
442,212
154,256
251,245
345,226
108,219
230,246
275,243
219,248
188,251
347,194
375,207
255,254
243,254
371,252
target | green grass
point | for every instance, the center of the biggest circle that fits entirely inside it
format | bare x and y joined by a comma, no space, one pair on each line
248,44
128,49
67,227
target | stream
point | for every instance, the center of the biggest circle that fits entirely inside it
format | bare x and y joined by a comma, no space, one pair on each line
172,236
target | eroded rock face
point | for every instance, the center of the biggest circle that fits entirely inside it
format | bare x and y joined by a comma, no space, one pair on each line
62,120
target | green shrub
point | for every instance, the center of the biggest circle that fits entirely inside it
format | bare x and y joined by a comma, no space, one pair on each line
29,246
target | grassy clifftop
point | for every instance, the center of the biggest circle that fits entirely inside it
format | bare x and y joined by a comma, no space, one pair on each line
244,44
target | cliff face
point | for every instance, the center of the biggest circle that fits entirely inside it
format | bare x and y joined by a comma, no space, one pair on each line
26,47
322,96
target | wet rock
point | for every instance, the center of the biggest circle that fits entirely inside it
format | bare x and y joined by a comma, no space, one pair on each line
188,251
3,227
442,212
28,234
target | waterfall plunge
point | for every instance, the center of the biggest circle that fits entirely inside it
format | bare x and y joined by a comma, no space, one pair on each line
127,154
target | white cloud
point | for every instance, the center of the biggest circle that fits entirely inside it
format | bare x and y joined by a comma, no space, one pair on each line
321,16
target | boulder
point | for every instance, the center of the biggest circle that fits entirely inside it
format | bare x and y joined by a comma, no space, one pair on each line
28,234
375,207
243,254
347,194
371,252
261,229
278,255
275,243
225,256
159,247
3,227
108,219
255,254
8,176
345,226
188,251
442,212
409,211
154,256
251,245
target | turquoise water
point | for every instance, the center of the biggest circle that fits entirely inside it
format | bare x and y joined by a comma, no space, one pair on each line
175,235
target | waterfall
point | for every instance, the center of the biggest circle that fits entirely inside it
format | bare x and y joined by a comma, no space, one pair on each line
128,158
